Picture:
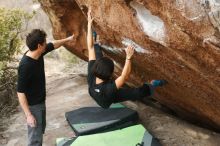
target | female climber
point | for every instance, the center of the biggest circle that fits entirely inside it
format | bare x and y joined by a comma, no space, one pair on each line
102,88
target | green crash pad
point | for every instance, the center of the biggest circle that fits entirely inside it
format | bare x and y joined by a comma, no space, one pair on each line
130,136
91,120
149,140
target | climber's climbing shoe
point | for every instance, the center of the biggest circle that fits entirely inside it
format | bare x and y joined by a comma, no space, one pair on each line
158,83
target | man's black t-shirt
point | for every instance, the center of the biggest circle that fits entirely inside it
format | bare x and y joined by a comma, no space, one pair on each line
103,93
31,77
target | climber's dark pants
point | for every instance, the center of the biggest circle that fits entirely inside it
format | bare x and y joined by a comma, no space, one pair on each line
98,51
124,94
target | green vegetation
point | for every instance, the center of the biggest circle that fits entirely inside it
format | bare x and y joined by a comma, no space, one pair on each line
12,23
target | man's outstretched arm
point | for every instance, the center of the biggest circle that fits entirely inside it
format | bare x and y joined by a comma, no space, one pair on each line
91,50
59,43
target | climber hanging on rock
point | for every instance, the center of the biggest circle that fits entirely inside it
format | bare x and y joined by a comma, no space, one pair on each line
102,88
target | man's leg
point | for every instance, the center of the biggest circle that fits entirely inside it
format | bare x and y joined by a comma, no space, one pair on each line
44,121
35,134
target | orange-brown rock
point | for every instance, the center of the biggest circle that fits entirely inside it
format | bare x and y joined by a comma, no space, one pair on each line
177,40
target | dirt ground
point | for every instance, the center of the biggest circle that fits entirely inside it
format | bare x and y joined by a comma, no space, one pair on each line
67,90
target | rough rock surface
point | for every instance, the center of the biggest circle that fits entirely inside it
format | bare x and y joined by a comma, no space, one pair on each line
177,40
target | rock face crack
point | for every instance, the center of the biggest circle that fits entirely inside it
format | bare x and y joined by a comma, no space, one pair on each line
175,40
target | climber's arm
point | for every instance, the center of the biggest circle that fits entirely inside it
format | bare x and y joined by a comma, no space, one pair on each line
91,50
127,68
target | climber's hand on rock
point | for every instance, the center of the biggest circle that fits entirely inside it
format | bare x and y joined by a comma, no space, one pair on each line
90,19
129,51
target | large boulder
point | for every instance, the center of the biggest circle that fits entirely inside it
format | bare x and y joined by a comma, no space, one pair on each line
177,40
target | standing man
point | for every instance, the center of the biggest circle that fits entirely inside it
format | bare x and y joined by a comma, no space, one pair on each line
31,87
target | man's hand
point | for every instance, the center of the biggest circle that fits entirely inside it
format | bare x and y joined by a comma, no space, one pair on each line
59,43
31,121
129,51
70,38
90,19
